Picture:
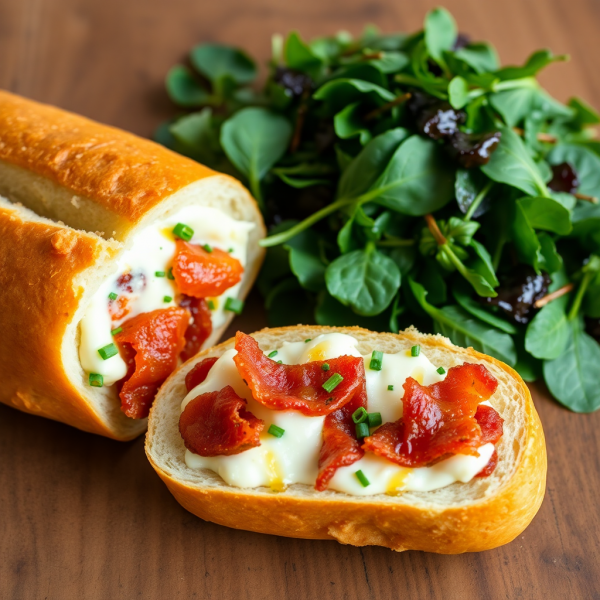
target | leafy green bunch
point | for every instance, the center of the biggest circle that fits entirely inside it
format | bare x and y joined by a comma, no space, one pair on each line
410,179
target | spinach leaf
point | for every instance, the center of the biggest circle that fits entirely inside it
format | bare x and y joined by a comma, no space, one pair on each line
254,139
331,312
584,113
548,333
337,94
467,186
483,263
462,296
302,57
585,162
217,62
572,378
458,92
197,133
184,89
362,172
349,123
535,63
305,260
520,103
364,280
481,57
512,164
416,181
547,213
463,330
440,32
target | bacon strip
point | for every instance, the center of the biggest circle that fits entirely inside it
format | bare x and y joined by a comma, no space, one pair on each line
204,274
199,329
297,387
340,447
217,423
150,344
439,419
199,373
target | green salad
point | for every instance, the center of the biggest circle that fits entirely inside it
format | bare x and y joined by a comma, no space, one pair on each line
409,179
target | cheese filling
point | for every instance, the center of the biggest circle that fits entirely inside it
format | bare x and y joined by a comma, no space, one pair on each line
293,458
148,261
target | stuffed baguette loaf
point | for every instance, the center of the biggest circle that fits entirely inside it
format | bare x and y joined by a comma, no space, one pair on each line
484,513
78,197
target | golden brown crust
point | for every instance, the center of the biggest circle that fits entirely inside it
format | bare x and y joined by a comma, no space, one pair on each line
39,265
123,173
480,525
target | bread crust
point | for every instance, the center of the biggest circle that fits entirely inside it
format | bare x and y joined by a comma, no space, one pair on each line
89,175
480,525
125,174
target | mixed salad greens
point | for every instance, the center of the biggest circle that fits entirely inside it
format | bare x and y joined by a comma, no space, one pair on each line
409,179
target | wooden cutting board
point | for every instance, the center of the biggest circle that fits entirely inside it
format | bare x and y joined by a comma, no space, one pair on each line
85,517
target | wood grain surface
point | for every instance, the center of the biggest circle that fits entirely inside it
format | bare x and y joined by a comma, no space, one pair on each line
86,518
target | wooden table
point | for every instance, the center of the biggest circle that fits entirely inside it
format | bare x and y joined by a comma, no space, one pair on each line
85,517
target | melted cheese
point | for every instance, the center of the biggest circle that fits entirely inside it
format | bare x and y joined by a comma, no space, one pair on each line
151,251
293,458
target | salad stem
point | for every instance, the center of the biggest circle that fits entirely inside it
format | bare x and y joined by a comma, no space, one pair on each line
478,200
565,289
580,293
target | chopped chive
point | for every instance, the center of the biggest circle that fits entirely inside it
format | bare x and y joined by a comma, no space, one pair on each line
183,231
325,367
234,305
362,430
272,354
117,330
167,298
159,273
170,274
211,305
390,388
362,478
376,360
96,380
360,415
333,382
307,340
208,248
415,351
276,431
108,351
113,296
230,250
441,370
279,362
374,419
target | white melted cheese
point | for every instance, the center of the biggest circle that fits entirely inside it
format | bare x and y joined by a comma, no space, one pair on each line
152,250
293,458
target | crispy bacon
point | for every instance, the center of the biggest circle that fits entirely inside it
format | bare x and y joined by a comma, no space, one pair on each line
439,419
199,373
204,274
340,447
199,329
217,423
150,344
297,387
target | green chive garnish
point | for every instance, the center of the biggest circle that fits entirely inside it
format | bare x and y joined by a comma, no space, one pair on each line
211,305
415,351
183,231
167,298
108,351
170,274
117,330
307,340
376,360
333,382
230,250
441,370
279,362
234,305
113,296
96,380
272,354
360,415
390,388
362,430
325,367
374,419
208,248
276,431
159,273
362,478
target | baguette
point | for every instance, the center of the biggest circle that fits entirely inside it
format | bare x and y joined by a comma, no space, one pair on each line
463,517
75,195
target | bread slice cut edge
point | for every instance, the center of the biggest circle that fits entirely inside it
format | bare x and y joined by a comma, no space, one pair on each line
463,517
